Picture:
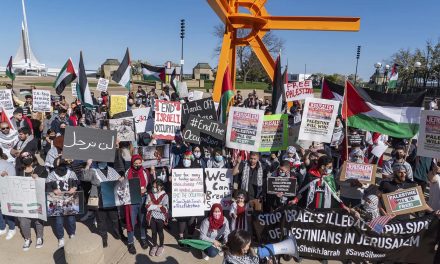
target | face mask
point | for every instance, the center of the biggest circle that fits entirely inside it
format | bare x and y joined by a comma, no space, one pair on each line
282,174
102,165
197,154
52,137
329,171
136,167
207,155
27,161
217,215
186,163
219,158
61,170
155,190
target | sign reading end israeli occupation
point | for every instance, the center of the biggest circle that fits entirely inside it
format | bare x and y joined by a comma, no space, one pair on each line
405,201
167,119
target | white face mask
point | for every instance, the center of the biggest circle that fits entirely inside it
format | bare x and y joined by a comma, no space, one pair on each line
329,171
155,190
197,154
186,163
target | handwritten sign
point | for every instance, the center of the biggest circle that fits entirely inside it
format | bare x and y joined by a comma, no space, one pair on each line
82,143
6,101
365,173
405,201
74,92
204,132
40,101
182,89
298,90
23,197
244,128
195,95
285,185
143,119
167,119
203,108
118,104
318,120
65,203
275,133
117,193
102,85
429,135
156,156
124,128
219,187
187,192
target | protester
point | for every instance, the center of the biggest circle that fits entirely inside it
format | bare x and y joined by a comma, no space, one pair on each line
239,212
6,169
8,139
399,158
214,229
237,249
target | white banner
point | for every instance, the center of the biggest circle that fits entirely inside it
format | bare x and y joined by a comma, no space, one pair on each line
187,192
23,197
40,101
102,85
219,187
6,101
318,120
298,90
244,128
428,144
143,119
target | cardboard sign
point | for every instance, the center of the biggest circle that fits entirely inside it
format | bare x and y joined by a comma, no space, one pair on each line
82,143
195,95
143,119
167,120
124,128
188,197
40,101
74,92
203,108
318,120
428,143
405,201
298,90
275,133
65,203
285,185
118,104
102,85
219,188
6,101
156,156
117,193
182,89
23,197
355,139
204,132
244,128
365,173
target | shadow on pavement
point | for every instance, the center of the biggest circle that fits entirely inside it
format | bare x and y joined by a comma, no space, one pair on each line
58,256
141,258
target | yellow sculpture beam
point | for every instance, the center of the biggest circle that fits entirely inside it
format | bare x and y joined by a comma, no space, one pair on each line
259,22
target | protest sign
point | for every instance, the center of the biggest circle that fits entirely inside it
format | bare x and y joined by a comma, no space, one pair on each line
285,185
356,139
275,133
428,143
334,234
365,173
102,85
204,132
65,203
23,197
124,128
73,86
118,104
405,201
82,143
117,193
195,95
219,188
6,101
202,108
187,192
182,89
296,91
156,156
318,120
167,119
40,101
244,128
143,119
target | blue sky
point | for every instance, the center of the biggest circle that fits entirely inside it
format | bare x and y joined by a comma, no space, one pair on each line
104,28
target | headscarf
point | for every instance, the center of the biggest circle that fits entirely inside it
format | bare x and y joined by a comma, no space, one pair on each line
372,206
140,172
215,224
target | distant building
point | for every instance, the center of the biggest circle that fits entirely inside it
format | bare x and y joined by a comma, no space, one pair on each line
203,71
169,68
108,68
295,77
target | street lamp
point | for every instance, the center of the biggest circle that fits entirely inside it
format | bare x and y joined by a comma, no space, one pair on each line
358,55
417,66
377,65
182,36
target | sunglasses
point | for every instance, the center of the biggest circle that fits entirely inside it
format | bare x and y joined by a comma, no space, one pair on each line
4,128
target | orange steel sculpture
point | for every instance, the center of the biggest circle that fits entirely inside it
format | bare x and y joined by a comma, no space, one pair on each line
259,22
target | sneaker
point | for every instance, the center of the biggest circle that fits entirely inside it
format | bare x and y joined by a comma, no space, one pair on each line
72,236
159,251
61,243
39,243
27,244
131,249
153,251
204,256
144,243
220,253
2,232
11,234
87,216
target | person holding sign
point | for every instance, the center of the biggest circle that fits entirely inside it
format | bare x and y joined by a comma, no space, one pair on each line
275,201
6,168
239,212
214,229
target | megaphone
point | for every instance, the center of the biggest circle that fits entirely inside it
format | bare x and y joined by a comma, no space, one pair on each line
286,247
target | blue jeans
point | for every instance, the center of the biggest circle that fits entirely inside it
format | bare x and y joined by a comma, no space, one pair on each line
137,213
59,226
211,251
9,220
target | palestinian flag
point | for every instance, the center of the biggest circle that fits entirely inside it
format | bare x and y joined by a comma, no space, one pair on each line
123,74
65,77
392,83
82,87
396,115
227,98
173,81
152,73
331,91
9,70
277,89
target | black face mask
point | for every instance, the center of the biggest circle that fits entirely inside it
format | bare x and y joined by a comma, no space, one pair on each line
27,161
136,167
61,170
52,137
